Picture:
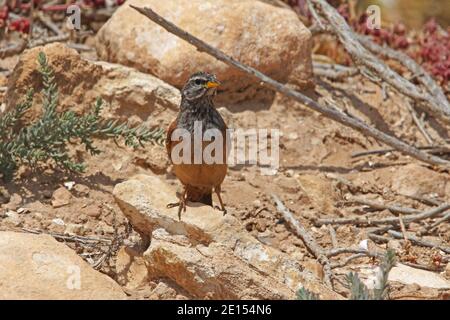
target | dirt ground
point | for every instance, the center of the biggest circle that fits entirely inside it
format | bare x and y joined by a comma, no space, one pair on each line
317,178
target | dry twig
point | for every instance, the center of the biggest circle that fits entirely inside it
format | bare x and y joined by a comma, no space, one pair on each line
364,221
333,71
368,63
71,238
419,123
381,206
309,242
429,149
420,242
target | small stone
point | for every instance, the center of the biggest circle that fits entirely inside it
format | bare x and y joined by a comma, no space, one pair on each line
289,173
257,203
81,189
61,197
23,210
73,228
14,203
47,194
82,218
69,185
58,222
12,219
93,210
261,226
292,136
279,228
37,216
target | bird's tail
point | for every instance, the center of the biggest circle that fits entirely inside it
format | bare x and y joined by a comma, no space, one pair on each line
199,194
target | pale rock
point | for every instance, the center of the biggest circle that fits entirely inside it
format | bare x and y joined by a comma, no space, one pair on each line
93,210
61,197
81,189
269,38
206,253
12,219
408,275
39,267
74,229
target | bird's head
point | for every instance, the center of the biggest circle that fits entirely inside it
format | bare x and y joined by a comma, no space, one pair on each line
200,85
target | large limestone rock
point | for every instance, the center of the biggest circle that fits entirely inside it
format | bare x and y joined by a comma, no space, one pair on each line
128,94
267,37
408,275
39,267
207,254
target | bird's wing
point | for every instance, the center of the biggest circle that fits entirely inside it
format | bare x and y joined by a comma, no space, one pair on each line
169,142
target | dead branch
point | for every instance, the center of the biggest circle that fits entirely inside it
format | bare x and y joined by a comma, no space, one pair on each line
364,221
338,251
331,113
419,123
381,206
21,45
13,49
429,149
49,24
424,200
366,61
420,242
333,237
333,71
40,42
309,242
422,76
71,238
435,224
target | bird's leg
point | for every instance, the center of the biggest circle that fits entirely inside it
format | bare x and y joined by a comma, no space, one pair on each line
222,207
180,204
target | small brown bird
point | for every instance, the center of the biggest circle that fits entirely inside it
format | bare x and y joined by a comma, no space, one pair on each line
197,107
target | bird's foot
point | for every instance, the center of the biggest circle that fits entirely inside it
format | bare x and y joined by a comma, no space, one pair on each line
172,205
181,207
224,211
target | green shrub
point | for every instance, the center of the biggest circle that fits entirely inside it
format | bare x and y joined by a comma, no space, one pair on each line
47,138
358,290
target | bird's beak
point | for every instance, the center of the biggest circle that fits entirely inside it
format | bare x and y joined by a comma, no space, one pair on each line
212,84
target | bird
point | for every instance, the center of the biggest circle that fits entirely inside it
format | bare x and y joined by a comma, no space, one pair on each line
199,180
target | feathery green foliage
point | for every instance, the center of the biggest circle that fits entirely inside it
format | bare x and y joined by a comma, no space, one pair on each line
358,290
305,294
47,138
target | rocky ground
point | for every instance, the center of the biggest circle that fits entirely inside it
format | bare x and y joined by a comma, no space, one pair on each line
113,216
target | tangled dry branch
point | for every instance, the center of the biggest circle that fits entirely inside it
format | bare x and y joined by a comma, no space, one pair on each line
432,99
330,112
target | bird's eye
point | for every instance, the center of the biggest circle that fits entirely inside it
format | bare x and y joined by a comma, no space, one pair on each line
198,82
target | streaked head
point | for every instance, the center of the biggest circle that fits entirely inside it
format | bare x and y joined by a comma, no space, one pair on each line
199,85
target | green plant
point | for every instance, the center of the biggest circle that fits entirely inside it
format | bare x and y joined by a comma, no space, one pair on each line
358,290
47,138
